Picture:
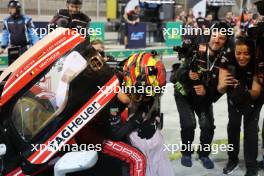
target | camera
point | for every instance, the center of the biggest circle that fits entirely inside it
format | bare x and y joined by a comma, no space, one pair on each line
187,50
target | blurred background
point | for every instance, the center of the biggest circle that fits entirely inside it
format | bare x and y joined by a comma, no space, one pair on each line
155,13
156,17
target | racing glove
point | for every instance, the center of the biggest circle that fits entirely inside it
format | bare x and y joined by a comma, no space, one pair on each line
147,129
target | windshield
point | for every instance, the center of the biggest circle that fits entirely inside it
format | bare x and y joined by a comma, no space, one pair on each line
46,99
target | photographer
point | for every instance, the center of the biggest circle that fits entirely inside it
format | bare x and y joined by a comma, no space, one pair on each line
131,18
243,89
258,34
196,89
72,17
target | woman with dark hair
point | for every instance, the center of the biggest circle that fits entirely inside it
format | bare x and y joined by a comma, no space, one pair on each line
243,89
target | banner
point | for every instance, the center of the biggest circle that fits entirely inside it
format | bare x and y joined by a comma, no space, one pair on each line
97,31
136,35
173,34
111,12
3,62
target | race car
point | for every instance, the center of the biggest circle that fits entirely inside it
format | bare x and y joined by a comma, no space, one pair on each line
37,112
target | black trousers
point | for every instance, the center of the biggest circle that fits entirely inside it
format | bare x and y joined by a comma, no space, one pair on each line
250,123
187,113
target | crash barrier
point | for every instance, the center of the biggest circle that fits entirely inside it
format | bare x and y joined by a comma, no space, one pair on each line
172,33
136,35
122,54
117,54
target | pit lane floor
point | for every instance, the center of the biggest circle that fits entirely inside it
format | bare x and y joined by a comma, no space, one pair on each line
171,133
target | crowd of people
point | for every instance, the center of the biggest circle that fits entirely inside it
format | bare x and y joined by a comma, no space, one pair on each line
240,23
221,63
212,65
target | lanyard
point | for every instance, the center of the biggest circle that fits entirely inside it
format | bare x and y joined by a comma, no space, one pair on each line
210,65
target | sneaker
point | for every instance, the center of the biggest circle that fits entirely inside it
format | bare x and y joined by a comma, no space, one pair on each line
230,167
261,164
186,161
207,162
252,172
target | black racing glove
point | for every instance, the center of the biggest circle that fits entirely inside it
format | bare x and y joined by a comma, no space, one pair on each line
136,119
132,124
147,129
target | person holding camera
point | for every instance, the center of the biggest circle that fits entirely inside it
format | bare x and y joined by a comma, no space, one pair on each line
131,18
72,17
241,83
257,32
18,29
196,89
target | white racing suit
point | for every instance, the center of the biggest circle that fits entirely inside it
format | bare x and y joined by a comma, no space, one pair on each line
158,163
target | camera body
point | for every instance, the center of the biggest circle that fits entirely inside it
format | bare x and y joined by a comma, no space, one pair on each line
189,52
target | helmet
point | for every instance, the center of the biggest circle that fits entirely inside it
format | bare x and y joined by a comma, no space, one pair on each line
14,3
145,70
74,1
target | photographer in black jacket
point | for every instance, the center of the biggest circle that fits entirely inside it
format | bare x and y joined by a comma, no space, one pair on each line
243,88
196,89
72,17
258,34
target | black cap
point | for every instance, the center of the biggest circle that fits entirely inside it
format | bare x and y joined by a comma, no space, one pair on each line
79,2
219,26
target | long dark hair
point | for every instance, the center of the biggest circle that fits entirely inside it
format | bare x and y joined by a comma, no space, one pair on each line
245,40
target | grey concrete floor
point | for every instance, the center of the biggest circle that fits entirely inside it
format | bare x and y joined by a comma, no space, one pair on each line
171,133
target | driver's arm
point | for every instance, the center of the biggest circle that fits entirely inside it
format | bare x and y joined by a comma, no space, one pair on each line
68,75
